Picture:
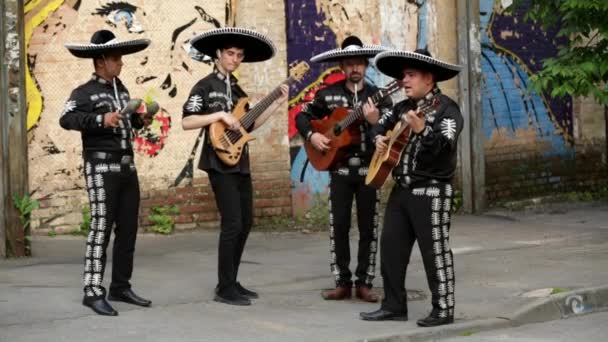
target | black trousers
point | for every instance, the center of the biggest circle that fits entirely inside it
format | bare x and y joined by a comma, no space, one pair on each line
234,198
418,214
346,185
113,189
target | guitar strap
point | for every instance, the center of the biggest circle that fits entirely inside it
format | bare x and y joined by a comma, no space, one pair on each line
306,162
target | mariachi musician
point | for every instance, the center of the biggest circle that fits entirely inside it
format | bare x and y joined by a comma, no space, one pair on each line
347,178
212,100
420,203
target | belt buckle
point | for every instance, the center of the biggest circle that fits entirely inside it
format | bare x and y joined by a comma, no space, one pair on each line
99,155
126,159
354,161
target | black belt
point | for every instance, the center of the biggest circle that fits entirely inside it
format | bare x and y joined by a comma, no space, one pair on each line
418,183
110,156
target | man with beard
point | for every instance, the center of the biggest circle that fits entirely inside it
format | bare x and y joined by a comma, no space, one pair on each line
347,179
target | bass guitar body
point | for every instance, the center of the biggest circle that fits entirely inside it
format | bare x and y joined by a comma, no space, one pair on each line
229,145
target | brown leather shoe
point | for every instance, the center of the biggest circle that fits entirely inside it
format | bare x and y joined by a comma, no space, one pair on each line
365,294
339,293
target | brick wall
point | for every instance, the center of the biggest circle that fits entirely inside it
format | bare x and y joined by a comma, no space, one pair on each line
521,171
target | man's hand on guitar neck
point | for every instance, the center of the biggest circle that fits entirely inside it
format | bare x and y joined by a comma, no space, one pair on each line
371,112
380,141
284,94
230,121
319,141
416,122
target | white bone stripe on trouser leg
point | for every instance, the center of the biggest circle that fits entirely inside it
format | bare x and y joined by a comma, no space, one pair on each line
93,270
446,286
443,258
335,269
373,248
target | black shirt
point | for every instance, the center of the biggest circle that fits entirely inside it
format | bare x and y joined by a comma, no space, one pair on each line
84,111
208,96
338,95
431,154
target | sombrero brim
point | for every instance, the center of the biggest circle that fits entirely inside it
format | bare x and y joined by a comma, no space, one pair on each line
95,50
257,47
335,55
392,63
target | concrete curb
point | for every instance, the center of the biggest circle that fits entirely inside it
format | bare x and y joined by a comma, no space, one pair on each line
558,306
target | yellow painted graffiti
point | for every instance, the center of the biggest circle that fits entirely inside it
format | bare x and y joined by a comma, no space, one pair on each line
304,91
31,5
34,97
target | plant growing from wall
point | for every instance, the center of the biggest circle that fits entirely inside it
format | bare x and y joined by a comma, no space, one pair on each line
24,205
162,219
318,214
85,225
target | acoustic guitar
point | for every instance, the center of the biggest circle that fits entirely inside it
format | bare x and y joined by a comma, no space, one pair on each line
229,144
382,164
339,128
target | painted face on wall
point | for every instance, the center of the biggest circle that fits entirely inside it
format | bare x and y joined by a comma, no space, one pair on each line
162,73
121,13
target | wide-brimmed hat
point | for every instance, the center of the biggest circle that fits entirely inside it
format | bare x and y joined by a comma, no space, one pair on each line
351,47
104,42
393,62
257,47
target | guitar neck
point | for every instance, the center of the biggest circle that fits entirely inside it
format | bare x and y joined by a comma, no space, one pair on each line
425,108
249,119
357,112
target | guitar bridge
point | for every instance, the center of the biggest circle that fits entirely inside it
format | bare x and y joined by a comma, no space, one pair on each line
221,150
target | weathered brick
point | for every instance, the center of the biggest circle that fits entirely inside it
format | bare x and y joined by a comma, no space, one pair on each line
183,219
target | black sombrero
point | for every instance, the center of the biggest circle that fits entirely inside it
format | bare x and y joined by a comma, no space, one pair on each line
351,47
257,46
393,62
105,42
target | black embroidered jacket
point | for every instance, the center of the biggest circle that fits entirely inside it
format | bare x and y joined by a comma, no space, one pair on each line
430,155
209,95
84,111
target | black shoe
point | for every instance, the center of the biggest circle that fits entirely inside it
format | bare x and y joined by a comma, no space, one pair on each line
128,296
235,299
383,315
246,293
100,306
432,321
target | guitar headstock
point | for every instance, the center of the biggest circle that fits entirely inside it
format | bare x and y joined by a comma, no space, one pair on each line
298,71
392,87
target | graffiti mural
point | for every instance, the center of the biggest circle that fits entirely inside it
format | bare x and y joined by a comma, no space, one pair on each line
511,51
164,73
315,26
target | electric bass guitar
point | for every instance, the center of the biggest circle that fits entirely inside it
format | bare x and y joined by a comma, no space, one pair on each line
339,128
229,144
